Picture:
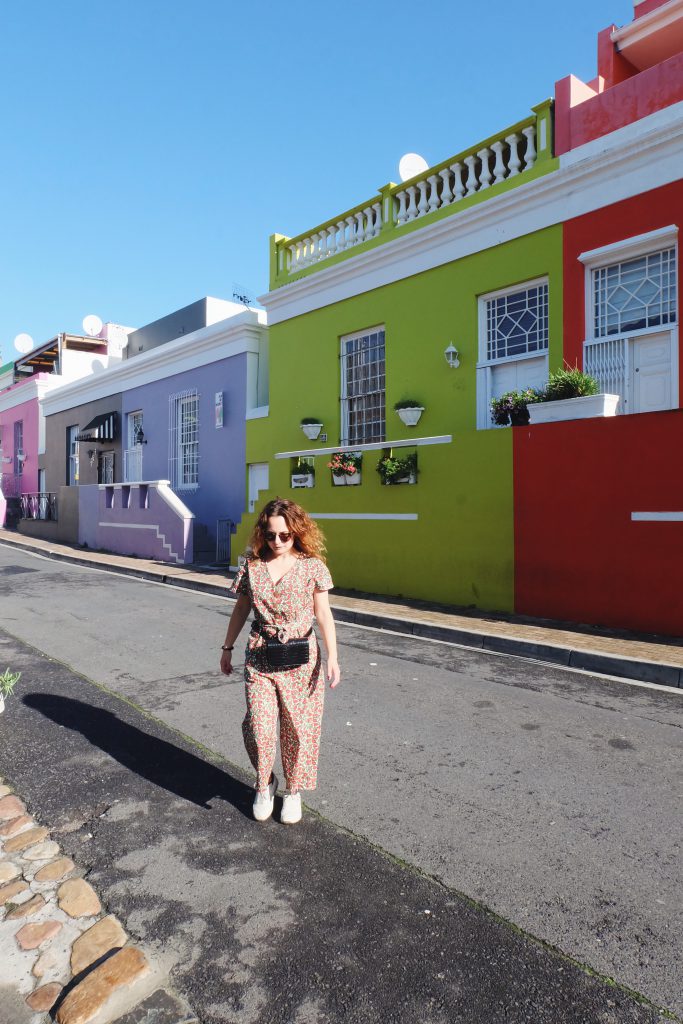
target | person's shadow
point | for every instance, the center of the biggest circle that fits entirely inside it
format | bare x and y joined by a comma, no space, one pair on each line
160,762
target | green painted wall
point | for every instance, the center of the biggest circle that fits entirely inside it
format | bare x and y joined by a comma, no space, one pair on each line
460,550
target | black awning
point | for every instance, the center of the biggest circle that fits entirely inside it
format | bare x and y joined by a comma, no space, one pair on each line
102,428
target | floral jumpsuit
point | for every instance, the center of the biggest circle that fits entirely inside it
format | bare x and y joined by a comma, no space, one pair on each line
295,695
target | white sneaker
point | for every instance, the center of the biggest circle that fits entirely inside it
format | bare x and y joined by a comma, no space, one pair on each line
263,802
291,809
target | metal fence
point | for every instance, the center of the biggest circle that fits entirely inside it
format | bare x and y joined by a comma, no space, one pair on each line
39,506
224,530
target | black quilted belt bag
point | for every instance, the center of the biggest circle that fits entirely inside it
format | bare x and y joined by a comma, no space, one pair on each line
283,652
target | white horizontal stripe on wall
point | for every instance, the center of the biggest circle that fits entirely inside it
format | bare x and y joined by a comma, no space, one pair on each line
657,517
405,516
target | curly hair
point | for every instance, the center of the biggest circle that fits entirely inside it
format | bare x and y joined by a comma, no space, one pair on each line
308,538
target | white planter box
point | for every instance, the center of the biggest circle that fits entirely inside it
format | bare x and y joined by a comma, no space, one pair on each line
303,480
410,478
573,409
342,480
311,430
411,417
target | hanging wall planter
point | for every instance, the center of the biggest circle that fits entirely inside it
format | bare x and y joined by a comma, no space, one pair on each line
409,411
311,428
346,469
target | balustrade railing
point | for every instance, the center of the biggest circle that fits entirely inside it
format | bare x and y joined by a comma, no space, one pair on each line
504,160
41,505
606,359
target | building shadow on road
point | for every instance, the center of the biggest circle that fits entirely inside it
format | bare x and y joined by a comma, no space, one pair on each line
164,764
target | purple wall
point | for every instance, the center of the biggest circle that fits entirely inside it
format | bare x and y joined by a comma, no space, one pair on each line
221,491
136,520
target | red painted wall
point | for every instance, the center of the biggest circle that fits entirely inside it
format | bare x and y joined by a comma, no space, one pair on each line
647,212
578,555
628,101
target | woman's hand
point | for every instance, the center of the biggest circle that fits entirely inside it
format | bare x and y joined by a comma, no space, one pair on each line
226,663
333,673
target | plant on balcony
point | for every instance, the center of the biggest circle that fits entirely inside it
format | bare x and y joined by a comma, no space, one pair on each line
398,469
8,680
311,427
346,467
572,394
409,411
570,382
303,473
512,407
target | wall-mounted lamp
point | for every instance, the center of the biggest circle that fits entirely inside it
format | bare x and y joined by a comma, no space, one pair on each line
139,436
452,356
92,456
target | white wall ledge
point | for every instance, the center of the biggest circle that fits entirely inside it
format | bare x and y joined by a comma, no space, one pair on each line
374,447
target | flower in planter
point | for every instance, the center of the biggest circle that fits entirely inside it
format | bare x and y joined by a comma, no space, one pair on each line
408,403
345,463
512,407
393,468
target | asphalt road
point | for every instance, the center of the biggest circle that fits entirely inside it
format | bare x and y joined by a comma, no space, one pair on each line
551,797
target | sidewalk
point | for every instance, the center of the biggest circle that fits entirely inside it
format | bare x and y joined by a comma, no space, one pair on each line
642,657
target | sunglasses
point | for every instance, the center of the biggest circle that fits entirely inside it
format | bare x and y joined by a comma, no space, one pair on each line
284,537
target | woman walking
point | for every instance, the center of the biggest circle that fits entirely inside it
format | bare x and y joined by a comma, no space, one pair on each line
285,581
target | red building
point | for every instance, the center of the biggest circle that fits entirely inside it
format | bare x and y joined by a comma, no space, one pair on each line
599,502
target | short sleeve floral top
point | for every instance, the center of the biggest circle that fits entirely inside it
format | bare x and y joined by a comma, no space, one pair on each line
289,602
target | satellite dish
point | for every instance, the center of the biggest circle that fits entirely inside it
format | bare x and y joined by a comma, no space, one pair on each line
92,325
410,165
23,343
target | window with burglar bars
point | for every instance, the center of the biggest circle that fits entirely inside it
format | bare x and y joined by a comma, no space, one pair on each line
635,294
183,448
517,322
18,447
363,387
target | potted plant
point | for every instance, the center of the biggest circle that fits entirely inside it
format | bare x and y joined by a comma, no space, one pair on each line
398,469
303,474
8,680
409,411
571,394
346,468
512,407
311,427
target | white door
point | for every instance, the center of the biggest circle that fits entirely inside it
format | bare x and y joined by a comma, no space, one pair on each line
258,481
514,375
651,373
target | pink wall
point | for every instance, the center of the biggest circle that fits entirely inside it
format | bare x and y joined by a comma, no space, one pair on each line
579,120
29,413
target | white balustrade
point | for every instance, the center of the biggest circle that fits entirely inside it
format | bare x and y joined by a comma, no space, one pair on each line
499,169
471,185
422,206
514,163
485,171
530,155
446,193
475,173
411,213
377,207
458,188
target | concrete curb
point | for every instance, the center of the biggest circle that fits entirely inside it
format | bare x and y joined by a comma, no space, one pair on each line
556,654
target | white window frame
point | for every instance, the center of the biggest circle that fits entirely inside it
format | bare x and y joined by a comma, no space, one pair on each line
73,464
180,479
486,365
620,252
345,400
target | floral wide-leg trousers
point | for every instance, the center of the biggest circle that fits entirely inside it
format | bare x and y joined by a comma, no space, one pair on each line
293,696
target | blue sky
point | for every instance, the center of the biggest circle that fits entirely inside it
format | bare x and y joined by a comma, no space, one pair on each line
151,147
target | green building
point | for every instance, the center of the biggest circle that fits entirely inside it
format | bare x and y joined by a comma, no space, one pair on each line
445,290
